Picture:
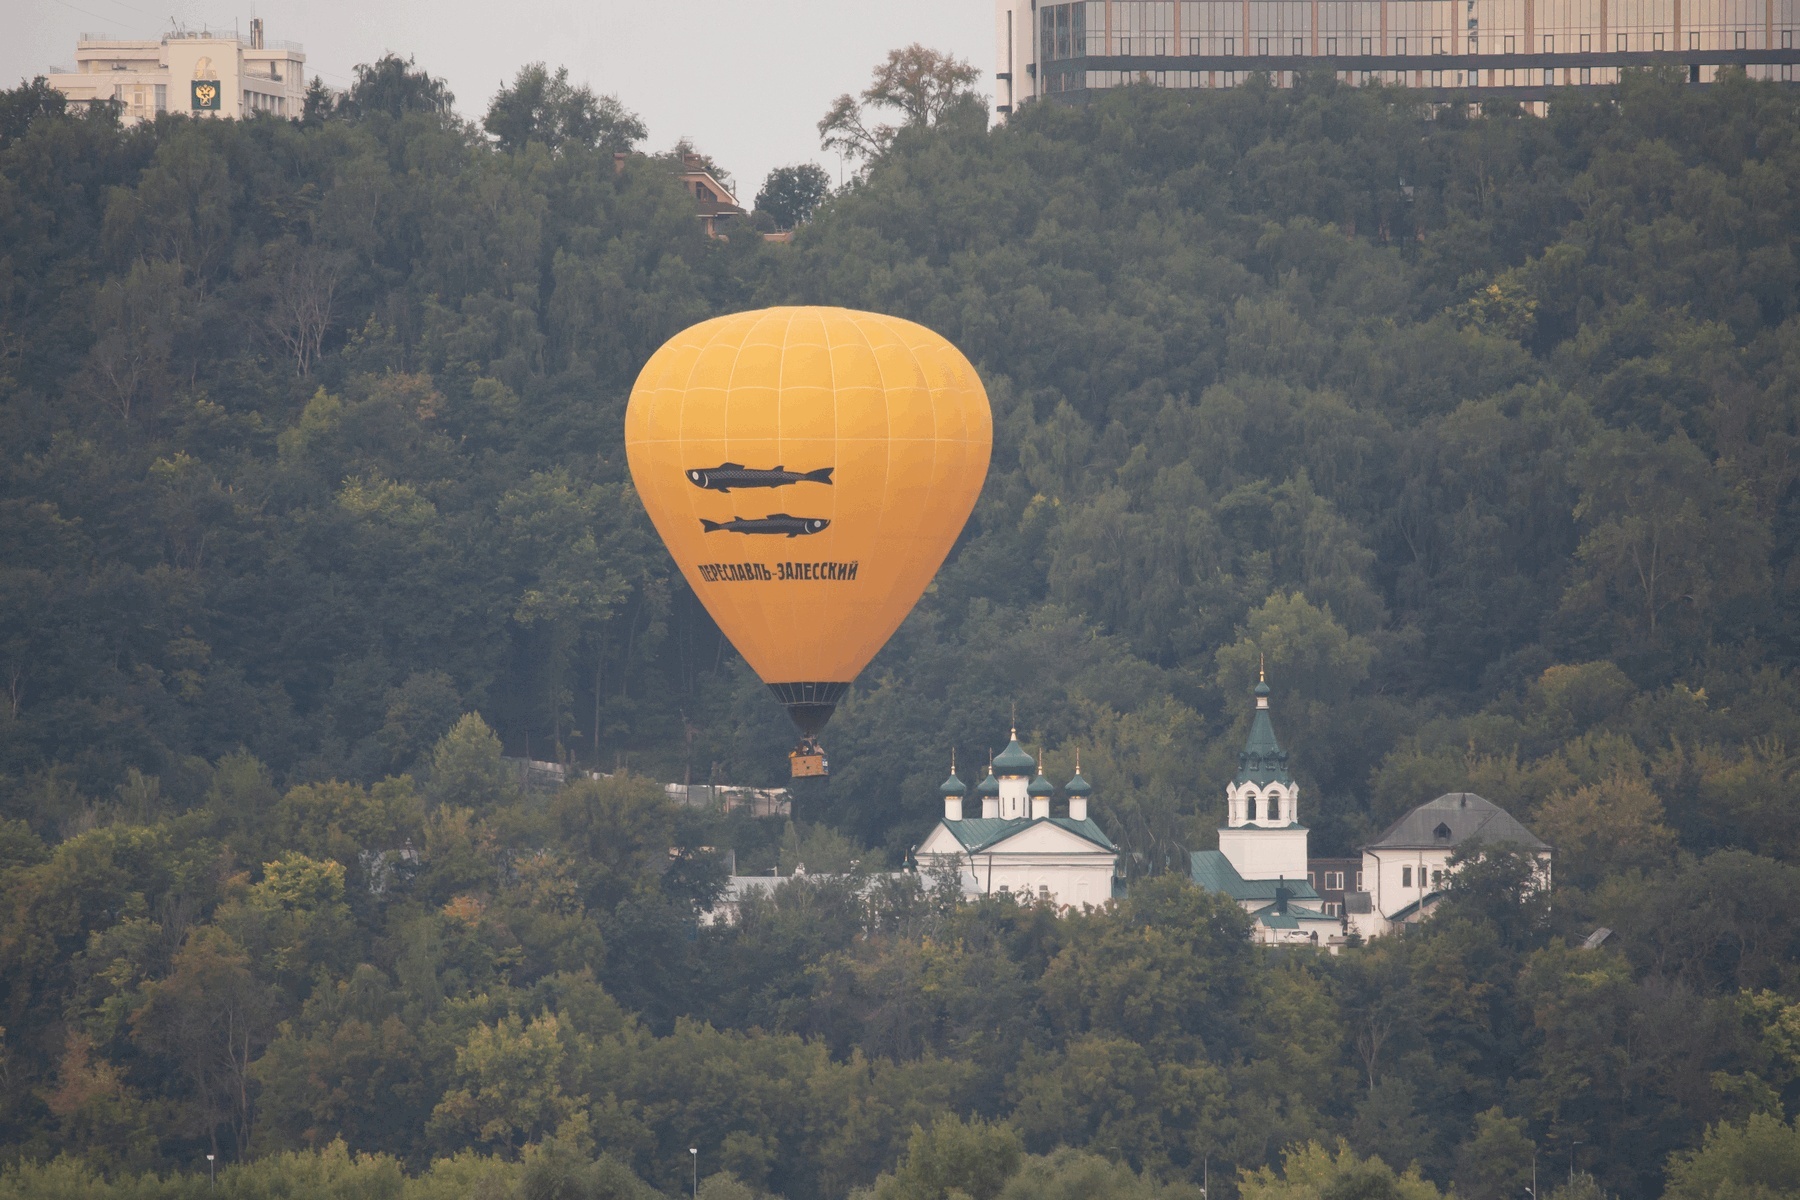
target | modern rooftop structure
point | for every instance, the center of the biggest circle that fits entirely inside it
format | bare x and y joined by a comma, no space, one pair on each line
201,73
1456,49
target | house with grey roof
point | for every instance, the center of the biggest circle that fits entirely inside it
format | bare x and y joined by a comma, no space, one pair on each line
1016,846
1407,869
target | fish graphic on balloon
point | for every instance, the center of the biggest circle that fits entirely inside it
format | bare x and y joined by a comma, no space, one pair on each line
728,475
776,523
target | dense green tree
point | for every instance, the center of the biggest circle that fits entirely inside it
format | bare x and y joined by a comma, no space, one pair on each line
919,83
953,1158
1759,1158
547,109
790,195
395,86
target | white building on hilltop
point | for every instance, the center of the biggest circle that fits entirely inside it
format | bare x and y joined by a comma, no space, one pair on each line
201,74
1261,859
1406,870
1016,847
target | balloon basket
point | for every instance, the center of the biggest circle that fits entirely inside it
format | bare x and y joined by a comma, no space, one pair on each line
808,761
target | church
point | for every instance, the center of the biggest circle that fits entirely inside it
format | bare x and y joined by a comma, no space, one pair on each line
1261,861
1016,847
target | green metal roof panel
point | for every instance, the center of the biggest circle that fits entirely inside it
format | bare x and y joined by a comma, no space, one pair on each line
1410,909
1214,872
1085,828
1295,913
978,833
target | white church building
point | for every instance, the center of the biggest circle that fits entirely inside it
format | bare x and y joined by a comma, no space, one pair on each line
1016,846
1261,861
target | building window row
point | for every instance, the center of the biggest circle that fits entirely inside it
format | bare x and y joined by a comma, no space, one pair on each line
1159,28
1406,877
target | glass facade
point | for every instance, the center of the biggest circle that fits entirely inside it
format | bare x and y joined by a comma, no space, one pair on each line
1502,43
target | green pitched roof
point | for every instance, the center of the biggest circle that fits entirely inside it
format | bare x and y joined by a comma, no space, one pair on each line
979,833
1087,829
1263,760
1292,917
1214,872
1013,760
1403,913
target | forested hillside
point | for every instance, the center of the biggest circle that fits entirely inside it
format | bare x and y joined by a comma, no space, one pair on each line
1482,432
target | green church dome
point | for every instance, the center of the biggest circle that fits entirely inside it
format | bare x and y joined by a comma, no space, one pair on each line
1013,760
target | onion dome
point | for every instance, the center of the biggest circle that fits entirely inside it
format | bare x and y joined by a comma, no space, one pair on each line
989,786
1041,786
1013,760
953,786
1078,786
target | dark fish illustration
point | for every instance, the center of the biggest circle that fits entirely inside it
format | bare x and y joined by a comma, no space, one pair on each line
773,523
726,476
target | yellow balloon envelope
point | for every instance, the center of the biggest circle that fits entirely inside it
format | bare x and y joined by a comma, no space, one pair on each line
809,469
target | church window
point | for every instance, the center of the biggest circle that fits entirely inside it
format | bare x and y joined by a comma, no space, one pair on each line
1309,880
1359,886
1044,892
1405,876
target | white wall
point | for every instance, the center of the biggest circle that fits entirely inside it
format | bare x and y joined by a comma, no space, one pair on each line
1265,853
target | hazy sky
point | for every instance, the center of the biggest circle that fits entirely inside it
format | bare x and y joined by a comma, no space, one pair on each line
747,81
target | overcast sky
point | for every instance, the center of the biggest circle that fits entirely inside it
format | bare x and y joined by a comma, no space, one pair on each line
746,80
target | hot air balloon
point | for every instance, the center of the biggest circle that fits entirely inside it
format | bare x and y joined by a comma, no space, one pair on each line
808,469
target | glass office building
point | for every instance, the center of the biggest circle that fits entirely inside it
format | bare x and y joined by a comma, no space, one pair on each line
1457,48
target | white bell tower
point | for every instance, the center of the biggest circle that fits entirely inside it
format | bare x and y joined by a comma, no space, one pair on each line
1262,836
